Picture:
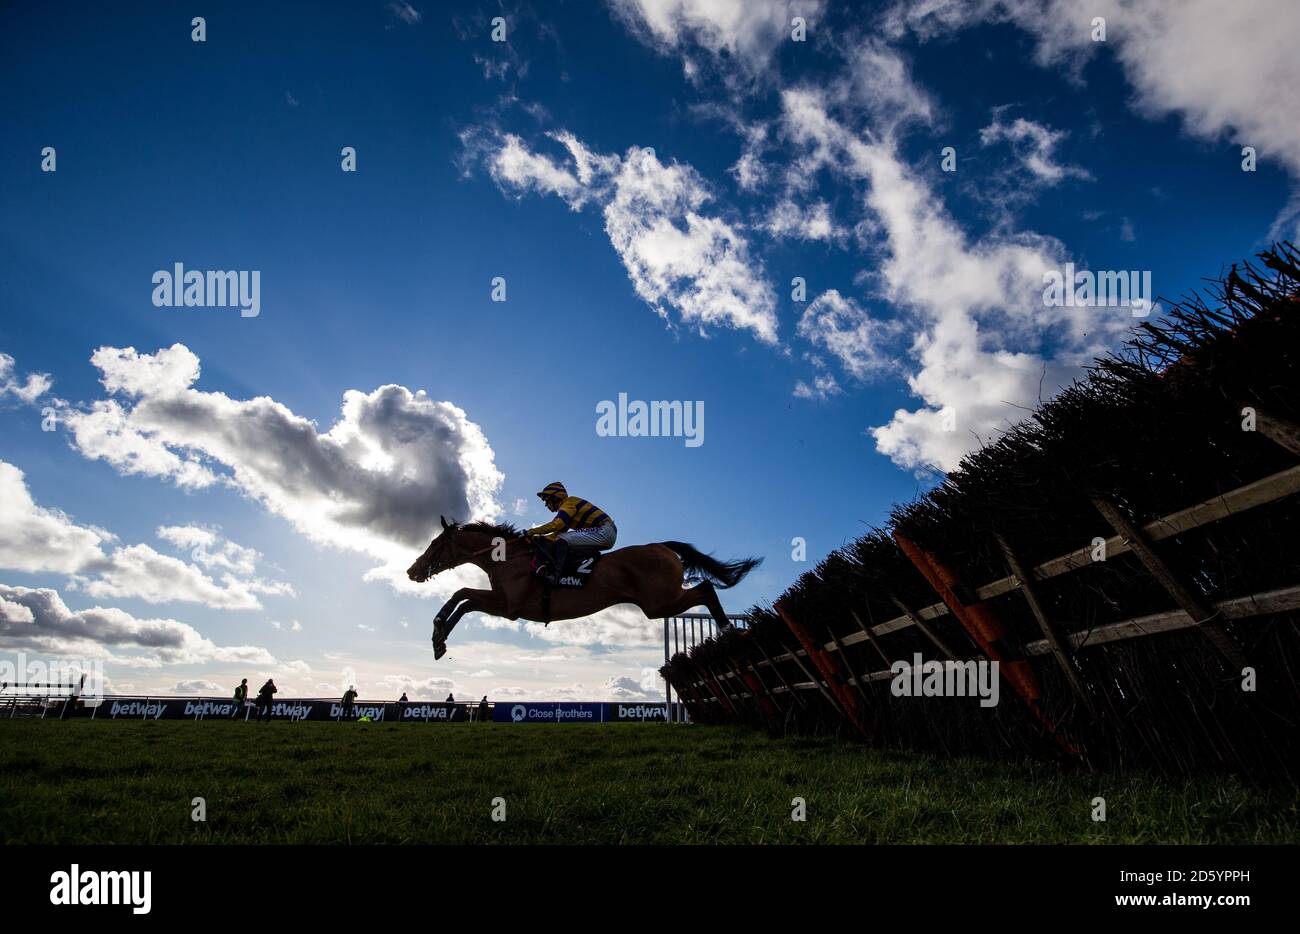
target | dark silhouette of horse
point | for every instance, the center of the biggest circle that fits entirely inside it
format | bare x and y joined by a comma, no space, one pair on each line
651,577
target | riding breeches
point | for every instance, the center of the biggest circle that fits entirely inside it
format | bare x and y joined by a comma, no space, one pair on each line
600,537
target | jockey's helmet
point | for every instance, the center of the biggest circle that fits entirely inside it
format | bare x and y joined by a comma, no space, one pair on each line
552,491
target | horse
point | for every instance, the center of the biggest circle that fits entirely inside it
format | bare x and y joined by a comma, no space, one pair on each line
648,576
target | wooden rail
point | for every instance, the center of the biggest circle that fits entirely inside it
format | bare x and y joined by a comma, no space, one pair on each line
1261,492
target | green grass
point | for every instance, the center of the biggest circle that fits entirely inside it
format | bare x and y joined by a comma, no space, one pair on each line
132,782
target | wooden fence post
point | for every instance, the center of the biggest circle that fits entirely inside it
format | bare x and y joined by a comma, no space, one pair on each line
925,629
1049,631
847,705
871,638
1205,619
780,677
1278,430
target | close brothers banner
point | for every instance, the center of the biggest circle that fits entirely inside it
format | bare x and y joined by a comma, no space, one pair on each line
536,712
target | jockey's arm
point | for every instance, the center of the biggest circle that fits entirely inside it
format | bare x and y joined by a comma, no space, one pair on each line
563,519
550,528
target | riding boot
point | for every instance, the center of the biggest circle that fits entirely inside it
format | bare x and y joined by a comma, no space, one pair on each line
558,556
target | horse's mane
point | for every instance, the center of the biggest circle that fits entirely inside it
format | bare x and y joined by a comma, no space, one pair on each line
504,529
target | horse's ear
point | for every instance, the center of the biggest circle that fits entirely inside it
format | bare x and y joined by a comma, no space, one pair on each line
444,521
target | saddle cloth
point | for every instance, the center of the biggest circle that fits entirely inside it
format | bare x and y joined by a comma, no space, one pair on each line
578,565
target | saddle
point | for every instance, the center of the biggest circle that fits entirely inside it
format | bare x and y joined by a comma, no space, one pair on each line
578,564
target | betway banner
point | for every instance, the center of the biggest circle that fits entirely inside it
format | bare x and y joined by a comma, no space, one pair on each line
635,713
179,708
560,712
200,709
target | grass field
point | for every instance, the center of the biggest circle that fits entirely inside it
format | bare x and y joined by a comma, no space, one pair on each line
132,782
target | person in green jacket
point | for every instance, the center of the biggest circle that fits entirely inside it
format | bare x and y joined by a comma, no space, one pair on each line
241,697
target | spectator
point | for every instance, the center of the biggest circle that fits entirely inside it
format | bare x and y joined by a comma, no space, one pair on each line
349,696
483,712
241,698
450,699
264,699
402,700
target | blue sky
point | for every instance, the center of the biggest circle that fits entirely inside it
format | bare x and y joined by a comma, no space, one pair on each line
648,179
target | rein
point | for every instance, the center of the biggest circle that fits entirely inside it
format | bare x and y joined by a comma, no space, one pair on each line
486,548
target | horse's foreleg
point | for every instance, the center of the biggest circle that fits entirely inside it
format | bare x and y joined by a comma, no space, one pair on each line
441,629
450,605
445,622
476,601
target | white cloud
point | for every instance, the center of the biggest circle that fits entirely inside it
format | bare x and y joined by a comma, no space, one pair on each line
739,37
405,12
967,302
416,688
1035,146
104,431
209,549
677,256
788,219
844,329
199,686
36,539
48,625
28,391
630,689
822,387
514,166
139,571
621,625
878,82
1227,69
375,482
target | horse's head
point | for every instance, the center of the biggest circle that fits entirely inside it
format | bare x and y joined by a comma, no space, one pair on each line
441,555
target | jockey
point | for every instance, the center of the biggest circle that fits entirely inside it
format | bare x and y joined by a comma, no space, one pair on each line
577,523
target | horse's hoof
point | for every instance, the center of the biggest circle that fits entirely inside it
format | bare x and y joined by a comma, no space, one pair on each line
439,638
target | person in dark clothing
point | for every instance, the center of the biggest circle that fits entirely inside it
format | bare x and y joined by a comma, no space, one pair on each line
264,699
241,698
483,712
402,699
450,699
349,696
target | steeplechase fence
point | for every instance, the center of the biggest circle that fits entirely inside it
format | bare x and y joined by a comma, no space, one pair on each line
1128,557
681,633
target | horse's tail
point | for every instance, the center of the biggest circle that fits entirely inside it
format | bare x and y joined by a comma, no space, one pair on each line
700,567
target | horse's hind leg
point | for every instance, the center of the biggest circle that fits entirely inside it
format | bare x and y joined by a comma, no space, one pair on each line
702,594
712,601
